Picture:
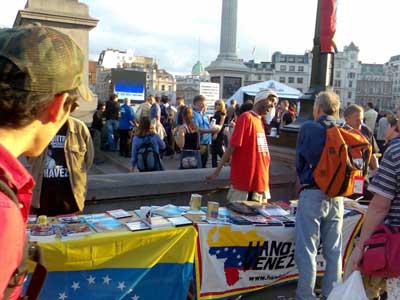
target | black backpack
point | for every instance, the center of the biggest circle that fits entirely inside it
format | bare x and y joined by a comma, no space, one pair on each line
31,252
148,159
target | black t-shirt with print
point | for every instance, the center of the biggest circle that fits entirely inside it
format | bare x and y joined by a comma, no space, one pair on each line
56,196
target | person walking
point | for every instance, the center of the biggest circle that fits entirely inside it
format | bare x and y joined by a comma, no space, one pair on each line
217,144
112,117
126,125
96,130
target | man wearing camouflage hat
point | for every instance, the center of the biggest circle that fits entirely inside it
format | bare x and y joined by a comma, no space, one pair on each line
41,75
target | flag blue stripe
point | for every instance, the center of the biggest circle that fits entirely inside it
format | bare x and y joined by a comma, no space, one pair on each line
163,281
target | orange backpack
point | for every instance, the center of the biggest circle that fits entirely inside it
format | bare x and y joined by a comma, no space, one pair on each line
346,155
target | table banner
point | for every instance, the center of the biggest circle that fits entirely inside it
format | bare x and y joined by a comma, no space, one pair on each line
153,264
233,260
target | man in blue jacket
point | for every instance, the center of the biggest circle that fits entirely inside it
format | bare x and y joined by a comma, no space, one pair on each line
126,124
319,218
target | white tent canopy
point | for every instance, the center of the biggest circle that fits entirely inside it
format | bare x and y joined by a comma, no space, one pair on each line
283,91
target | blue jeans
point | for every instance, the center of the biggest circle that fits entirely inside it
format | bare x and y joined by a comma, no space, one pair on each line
319,219
112,127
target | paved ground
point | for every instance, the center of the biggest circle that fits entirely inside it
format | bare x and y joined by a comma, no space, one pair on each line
114,163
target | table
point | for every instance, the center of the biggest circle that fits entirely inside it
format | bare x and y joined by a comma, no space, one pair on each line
152,264
233,260
159,264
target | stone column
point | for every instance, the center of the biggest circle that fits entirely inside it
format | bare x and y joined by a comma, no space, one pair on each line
70,17
228,30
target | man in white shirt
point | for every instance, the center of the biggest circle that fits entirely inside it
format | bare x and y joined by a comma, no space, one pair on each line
370,116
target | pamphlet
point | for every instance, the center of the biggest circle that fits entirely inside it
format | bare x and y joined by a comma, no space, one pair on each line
180,221
137,225
272,210
119,213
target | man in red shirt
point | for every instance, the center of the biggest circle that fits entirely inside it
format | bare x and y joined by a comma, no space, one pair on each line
249,150
41,73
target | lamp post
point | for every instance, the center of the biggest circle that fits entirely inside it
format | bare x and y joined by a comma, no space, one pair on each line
321,72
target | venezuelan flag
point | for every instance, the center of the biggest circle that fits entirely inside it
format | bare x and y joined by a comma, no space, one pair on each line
154,264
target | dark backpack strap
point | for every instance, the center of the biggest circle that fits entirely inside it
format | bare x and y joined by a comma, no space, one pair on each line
8,192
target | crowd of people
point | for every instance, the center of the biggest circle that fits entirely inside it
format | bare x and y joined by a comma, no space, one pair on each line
37,97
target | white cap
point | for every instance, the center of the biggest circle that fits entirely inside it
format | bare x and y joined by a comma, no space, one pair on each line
264,94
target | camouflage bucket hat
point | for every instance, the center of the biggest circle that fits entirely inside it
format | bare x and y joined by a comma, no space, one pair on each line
49,61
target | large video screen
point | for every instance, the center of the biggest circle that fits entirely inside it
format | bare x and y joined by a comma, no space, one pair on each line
129,84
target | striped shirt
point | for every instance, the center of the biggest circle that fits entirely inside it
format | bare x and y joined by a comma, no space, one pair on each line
386,182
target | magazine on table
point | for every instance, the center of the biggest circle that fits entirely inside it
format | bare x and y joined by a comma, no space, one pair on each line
68,219
72,230
42,233
105,223
168,211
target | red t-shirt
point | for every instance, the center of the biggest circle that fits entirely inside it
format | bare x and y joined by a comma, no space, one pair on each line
13,219
250,160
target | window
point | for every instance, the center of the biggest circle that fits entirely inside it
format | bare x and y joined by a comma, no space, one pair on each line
349,95
292,68
337,83
282,79
291,59
163,87
338,74
350,83
300,80
259,77
282,59
300,69
291,79
351,75
283,68
337,92
351,66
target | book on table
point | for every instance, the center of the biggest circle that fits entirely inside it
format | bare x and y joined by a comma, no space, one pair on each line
157,222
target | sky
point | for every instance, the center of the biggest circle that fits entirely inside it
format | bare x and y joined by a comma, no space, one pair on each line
171,31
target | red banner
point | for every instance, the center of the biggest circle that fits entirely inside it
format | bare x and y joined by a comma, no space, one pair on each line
328,25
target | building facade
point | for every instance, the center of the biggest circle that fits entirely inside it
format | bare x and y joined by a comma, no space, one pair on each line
374,85
292,70
392,67
345,74
258,72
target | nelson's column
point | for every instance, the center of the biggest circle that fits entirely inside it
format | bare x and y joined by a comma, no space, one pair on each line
227,69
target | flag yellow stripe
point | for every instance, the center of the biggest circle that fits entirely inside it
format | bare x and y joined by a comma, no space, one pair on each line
141,249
